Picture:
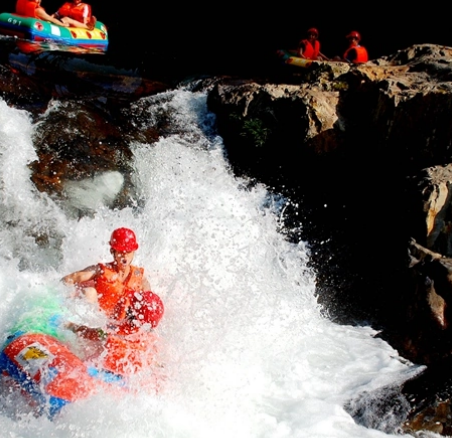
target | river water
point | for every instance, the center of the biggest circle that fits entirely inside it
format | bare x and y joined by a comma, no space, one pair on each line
245,349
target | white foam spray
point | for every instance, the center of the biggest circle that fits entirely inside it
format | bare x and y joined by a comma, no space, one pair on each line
245,349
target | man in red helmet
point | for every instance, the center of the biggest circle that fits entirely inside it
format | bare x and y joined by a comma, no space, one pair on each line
123,293
115,285
355,53
309,48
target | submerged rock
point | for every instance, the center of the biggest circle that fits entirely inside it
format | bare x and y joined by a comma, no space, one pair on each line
422,403
75,141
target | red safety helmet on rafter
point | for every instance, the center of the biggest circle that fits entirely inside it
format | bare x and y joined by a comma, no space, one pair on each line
313,31
123,240
354,34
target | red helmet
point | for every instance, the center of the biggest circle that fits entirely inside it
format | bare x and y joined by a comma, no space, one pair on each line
313,30
354,34
123,240
147,308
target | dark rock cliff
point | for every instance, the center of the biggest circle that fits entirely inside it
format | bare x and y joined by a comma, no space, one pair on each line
364,153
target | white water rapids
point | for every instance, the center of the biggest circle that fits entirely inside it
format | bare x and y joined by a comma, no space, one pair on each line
245,349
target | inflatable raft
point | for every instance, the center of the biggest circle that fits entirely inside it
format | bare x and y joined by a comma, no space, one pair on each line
38,358
38,30
296,61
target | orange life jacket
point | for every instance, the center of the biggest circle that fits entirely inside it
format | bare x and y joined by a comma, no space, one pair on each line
113,295
310,51
127,355
27,8
361,54
80,12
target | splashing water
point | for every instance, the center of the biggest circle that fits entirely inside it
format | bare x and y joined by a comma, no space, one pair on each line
245,349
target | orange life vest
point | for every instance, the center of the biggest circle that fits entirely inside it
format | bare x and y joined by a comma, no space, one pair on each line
27,8
310,51
361,54
127,355
80,12
113,295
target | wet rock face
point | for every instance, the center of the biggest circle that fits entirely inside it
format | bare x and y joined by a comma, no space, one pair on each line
82,142
73,142
435,194
368,154
399,106
421,404
405,105
305,114
372,145
427,334
429,396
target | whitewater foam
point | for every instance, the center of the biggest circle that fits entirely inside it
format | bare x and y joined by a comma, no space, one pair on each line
245,348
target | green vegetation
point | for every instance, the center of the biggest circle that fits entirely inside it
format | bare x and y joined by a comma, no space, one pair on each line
252,129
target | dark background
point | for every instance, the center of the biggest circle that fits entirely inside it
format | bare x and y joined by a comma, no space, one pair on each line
235,37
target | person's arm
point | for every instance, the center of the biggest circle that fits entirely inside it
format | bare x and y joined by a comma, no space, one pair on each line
323,57
300,50
43,15
87,21
145,284
351,55
78,278
86,14
81,276
73,23
93,334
